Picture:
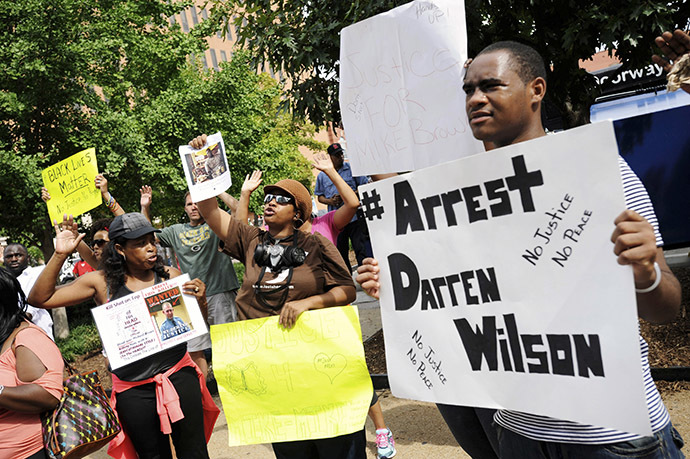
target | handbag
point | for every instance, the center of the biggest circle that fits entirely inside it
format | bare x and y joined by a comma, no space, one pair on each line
83,421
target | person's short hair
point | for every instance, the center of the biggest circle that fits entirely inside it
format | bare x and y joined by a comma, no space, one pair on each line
527,61
17,244
185,196
102,224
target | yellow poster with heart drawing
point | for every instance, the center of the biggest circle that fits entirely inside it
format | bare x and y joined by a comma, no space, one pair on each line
280,385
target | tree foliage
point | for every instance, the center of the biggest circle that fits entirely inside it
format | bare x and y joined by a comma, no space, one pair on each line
301,38
116,75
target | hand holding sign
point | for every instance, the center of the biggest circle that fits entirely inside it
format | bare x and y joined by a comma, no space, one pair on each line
205,166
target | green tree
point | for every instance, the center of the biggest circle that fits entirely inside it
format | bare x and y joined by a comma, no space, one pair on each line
301,38
55,55
117,76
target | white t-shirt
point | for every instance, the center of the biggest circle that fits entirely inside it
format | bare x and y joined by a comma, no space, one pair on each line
40,317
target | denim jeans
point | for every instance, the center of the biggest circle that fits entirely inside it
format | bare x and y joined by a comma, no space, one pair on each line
664,444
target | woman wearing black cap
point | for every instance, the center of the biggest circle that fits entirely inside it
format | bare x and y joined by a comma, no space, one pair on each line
131,263
287,272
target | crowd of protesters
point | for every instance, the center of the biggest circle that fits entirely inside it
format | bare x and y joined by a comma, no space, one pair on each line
164,396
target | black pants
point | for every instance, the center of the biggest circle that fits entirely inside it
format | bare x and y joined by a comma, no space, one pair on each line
350,446
356,232
42,454
473,429
136,408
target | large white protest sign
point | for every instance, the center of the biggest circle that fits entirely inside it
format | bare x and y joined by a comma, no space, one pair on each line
206,170
148,321
499,285
401,95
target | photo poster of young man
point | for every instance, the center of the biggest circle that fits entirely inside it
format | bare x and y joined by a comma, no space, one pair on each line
169,315
206,170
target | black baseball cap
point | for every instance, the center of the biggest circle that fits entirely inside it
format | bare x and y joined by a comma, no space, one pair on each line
130,226
335,149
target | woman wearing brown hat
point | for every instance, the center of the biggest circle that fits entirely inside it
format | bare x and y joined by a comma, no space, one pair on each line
169,378
287,272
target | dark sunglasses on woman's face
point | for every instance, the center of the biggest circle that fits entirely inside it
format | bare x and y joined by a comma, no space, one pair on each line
99,242
280,199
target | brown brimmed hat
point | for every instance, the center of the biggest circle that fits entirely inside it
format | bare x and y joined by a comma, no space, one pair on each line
297,191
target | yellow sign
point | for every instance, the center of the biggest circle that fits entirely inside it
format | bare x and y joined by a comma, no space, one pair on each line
71,185
282,385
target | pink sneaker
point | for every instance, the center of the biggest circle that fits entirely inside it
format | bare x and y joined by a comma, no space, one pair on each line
385,445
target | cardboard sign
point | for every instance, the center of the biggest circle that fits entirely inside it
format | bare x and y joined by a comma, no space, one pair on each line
279,385
148,321
499,285
401,95
71,185
206,170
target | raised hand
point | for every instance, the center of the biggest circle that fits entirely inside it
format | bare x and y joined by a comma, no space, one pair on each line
673,45
67,236
252,182
44,194
146,196
198,143
322,162
101,183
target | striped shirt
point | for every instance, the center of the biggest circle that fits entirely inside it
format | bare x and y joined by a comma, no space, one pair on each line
542,428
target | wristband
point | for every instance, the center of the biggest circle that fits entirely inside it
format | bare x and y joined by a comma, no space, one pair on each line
656,283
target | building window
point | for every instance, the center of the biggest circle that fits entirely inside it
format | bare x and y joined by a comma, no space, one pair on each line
204,14
195,18
229,36
214,60
203,57
223,56
183,20
172,20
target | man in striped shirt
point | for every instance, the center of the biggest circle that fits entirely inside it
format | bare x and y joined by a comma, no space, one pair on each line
504,86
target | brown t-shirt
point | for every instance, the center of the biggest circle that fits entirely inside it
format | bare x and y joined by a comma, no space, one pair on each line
322,269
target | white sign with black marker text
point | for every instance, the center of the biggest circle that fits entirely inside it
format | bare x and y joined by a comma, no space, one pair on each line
401,96
499,285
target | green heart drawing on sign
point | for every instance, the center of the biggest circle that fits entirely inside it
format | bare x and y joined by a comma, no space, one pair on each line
330,366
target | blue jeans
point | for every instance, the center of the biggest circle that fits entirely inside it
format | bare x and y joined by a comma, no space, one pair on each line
665,444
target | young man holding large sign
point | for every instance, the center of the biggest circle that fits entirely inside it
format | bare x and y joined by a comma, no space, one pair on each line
504,86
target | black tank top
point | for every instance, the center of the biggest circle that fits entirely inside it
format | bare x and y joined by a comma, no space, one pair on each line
153,364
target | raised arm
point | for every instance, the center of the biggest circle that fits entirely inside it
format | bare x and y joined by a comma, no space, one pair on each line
230,201
110,202
217,220
251,183
145,201
84,250
658,290
44,293
346,194
674,46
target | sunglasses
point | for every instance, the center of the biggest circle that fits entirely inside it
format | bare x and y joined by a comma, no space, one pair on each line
99,242
280,199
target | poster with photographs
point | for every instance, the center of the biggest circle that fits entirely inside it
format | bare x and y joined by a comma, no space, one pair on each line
148,321
206,170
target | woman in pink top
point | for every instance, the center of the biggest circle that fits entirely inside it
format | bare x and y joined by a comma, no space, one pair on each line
30,375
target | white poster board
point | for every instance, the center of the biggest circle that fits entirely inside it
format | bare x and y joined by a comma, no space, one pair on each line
401,95
499,285
136,326
206,170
